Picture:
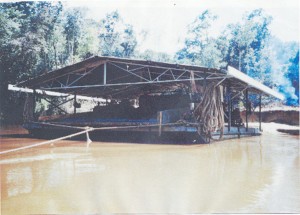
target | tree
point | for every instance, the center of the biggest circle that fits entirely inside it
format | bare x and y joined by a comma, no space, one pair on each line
80,35
199,47
155,56
10,28
73,23
89,41
293,76
281,55
26,29
57,46
116,38
247,44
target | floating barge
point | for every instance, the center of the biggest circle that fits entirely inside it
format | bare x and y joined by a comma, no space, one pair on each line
145,100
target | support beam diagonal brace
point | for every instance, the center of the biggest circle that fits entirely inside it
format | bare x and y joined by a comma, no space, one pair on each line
85,74
128,71
240,92
55,105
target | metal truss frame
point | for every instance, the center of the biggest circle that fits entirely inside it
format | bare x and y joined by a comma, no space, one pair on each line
146,74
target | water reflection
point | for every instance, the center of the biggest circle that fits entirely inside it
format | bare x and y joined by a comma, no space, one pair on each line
19,181
257,175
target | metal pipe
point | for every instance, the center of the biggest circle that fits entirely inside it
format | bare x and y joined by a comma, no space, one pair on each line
104,74
75,101
132,73
157,78
56,106
85,74
210,71
34,103
160,115
240,92
204,81
260,119
247,110
64,74
133,83
229,107
220,82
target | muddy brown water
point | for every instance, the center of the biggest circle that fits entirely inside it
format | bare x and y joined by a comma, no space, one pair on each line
254,175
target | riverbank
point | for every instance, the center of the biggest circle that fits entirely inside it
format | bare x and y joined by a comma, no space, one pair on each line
274,128
289,117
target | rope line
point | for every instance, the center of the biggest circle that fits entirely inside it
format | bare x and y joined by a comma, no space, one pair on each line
86,130
46,142
113,127
60,125
136,126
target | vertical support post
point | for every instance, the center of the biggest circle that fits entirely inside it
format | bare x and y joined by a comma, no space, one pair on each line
260,113
247,104
104,74
229,107
160,123
75,103
204,81
33,104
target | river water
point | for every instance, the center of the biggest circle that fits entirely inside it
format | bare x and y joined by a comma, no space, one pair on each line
249,175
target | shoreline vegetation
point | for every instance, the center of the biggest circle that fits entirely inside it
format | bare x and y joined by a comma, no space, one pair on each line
289,117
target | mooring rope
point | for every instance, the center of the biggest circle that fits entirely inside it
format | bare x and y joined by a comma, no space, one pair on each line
61,125
46,142
112,127
86,130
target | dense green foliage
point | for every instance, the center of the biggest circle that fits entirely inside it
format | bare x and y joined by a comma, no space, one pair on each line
293,75
116,38
248,46
200,48
37,37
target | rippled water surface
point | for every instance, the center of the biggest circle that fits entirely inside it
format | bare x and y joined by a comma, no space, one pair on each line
254,175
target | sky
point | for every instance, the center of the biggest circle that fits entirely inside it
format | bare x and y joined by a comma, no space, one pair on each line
166,21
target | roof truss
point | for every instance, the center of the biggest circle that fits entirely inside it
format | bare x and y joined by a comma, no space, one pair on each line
108,77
